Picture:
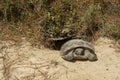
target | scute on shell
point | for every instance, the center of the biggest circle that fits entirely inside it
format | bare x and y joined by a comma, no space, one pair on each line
73,44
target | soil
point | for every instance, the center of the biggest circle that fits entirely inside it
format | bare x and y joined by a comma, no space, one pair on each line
25,62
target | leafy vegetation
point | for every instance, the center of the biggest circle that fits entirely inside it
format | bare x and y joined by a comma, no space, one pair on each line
38,20
113,30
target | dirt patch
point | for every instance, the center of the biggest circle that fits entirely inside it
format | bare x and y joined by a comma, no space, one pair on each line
24,62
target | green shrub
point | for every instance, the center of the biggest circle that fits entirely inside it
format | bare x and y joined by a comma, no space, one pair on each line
57,18
114,30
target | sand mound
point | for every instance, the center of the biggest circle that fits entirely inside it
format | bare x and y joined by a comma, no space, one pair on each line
24,62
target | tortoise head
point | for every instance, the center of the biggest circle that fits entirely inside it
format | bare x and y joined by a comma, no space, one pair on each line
80,54
84,54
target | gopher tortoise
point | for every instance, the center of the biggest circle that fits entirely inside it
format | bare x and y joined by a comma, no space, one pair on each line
77,49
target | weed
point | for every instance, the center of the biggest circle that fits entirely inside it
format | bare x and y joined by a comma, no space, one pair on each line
113,30
38,20
90,21
118,41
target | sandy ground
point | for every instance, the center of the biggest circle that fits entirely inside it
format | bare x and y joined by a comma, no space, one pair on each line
24,62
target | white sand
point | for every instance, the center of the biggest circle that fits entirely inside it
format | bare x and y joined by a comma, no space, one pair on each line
29,63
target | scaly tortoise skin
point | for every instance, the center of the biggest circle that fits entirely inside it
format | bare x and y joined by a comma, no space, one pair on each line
78,49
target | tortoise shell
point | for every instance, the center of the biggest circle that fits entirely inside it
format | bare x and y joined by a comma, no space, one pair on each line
68,48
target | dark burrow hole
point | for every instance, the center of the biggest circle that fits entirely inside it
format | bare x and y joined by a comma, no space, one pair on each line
56,43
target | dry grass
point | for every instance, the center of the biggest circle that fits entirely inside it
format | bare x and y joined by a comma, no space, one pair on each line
13,61
42,19
7,62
